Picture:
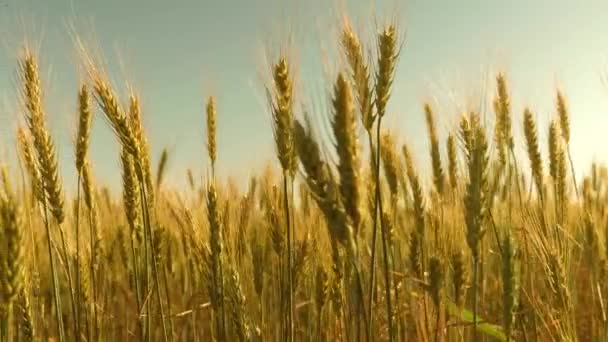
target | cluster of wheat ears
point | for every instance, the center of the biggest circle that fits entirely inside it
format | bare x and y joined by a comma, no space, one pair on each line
331,248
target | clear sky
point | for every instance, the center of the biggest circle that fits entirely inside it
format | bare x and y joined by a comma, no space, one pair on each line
178,52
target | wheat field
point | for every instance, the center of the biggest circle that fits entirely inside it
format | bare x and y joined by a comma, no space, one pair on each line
338,239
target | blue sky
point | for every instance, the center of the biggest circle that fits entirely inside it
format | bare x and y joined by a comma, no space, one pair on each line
178,52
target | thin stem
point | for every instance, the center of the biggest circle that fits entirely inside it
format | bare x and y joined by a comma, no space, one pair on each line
3,322
475,269
137,288
221,322
319,323
223,332
281,299
517,177
290,327
360,296
437,321
69,275
572,170
376,166
387,280
217,329
9,321
93,262
166,283
400,320
58,310
78,290
147,227
146,289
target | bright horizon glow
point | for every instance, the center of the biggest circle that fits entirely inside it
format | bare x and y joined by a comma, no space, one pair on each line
178,55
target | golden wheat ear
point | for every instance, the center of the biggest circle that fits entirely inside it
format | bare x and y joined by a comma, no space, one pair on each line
281,100
211,131
344,126
13,251
359,69
452,161
43,143
438,175
532,144
83,136
390,161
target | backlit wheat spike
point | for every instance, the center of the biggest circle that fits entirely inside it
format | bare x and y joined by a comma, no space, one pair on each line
558,280
162,166
131,193
211,130
553,149
321,183
390,161
591,242
557,169
115,114
387,59
12,257
452,161
191,181
30,162
344,127
416,189
143,164
321,295
438,175
502,110
258,261
534,156
85,116
564,116
45,148
87,185
281,104
238,306
353,50
417,236
562,189
321,287
564,123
